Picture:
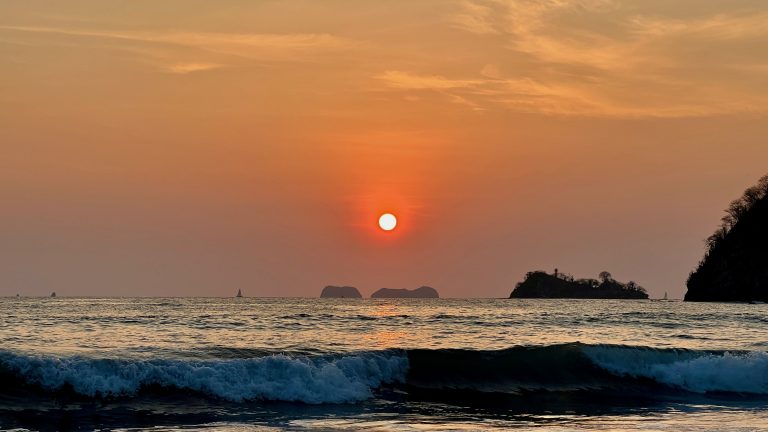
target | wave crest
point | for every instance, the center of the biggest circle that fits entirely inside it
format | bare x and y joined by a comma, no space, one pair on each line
697,372
276,377
612,369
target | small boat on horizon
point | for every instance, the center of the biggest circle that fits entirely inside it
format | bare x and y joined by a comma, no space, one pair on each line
239,293
53,294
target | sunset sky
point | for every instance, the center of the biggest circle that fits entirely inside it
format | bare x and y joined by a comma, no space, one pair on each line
183,147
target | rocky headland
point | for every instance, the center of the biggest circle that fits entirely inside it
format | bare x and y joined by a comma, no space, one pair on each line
735,264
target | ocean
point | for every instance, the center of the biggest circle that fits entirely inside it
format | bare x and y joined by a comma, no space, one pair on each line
242,364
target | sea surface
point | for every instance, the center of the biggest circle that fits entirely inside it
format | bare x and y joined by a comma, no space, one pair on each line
242,364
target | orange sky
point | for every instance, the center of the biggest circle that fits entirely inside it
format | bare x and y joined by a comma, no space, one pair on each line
196,148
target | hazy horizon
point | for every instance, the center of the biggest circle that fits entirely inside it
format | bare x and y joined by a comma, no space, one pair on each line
185,148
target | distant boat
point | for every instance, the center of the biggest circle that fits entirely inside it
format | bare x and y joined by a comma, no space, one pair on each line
239,293
53,294
665,296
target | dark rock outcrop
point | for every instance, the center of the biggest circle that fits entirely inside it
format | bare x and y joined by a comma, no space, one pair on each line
340,292
539,284
423,292
735,265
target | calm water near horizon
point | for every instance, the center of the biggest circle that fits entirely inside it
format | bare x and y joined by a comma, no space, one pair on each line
348,364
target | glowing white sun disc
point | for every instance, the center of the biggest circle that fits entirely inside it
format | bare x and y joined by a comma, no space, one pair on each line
387,221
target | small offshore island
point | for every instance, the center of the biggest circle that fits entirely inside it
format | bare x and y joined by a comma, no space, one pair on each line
735,264
340,292
421,292
539,284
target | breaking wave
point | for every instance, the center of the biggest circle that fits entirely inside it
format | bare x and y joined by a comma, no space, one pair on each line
351,378
693,371
275,377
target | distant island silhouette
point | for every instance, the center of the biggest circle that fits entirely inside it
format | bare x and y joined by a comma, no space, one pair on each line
539,284
735,264
422,292
340,292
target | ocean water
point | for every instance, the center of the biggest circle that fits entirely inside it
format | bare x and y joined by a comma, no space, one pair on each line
245,364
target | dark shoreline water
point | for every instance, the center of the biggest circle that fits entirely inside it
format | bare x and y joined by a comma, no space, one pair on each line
250,364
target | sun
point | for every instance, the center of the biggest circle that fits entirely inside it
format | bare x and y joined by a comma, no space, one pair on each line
387,221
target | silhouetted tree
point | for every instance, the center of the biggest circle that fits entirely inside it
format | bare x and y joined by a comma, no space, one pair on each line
633,286
605,276
736,210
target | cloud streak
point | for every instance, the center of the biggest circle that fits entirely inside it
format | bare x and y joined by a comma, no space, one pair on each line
185,68
269,47
604,58
524,95
217,42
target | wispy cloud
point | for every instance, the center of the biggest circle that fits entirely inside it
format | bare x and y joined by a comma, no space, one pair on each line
185,68
220,42
717,27
475,18
259,46
605,58
405,80
564,57
480,85
483,92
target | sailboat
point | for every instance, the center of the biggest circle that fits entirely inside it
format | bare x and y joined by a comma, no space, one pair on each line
665,296
53,294
239,293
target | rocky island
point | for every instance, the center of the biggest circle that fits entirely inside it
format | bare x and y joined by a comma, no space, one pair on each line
735,264
539,284
422,292
340,292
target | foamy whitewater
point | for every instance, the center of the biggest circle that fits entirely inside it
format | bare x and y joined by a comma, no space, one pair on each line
300,364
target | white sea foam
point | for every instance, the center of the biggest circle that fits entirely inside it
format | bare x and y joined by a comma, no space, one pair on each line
277,377
739,372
